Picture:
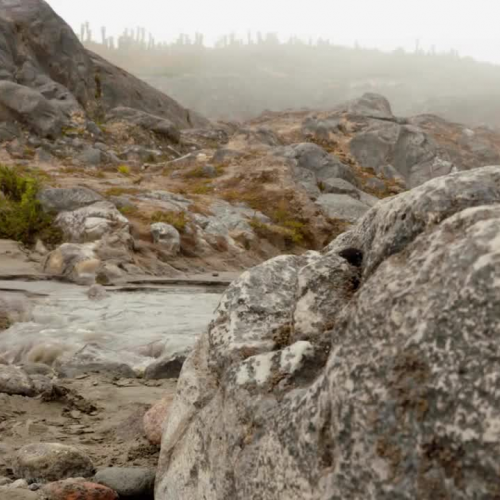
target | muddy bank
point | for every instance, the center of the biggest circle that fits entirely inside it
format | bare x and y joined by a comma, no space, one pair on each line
107,424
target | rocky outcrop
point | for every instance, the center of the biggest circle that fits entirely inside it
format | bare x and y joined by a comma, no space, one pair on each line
367,372
49,76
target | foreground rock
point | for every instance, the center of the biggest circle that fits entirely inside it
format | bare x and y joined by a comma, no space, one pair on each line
155,418
44,462
132,483
78,490
392,393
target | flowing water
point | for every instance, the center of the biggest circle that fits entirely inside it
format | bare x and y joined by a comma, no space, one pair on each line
129,327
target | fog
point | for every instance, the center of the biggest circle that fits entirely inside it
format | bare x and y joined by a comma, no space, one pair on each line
233,59
471,27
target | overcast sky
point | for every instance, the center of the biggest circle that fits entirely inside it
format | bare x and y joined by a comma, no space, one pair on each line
470,26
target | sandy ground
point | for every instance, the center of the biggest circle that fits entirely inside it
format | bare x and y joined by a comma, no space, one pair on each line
106,423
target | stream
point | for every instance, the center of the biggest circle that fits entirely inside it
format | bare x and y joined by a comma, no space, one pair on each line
132,327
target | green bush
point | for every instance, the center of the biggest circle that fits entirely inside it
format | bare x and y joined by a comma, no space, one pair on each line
21,215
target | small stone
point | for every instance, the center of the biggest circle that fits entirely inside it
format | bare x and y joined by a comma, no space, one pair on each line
20,484
130,482
166,236
154,419
5,481
72,489
90,156
51,462
97,292
167,368
209,171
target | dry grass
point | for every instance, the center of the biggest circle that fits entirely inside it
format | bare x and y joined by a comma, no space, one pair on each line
117,191
179,220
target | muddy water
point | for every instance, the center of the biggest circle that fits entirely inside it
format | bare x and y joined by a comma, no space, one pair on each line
130,327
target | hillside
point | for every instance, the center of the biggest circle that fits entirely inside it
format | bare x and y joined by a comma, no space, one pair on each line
239,80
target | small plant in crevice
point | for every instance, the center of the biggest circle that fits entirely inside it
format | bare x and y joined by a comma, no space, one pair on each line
22,217
124,170
179,220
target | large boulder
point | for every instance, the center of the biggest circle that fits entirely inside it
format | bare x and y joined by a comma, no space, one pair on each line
19,103
369,371
65,200
91,222
160,126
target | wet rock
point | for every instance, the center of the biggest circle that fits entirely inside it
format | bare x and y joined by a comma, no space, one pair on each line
135,483
167,237
15,381
342,207
43,462
73,369
66,200
165,368
14,308
19,103
78,490
156,124
92,222
97,292
76,262
38,369
155,418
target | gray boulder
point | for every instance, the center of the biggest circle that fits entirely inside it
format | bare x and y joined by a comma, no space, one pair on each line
91,222
167,237
156,124
165,368
90,156
371,105
390,393
45,462
342,207
340,186
14,380
65,200
19,103
136,483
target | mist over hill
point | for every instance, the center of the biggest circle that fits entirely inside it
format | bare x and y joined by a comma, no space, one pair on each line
239,79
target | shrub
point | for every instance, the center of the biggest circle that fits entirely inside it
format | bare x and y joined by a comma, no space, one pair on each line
177,219
21,215
124,170
5,322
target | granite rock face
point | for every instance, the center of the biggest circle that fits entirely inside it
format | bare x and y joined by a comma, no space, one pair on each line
366,371
75,81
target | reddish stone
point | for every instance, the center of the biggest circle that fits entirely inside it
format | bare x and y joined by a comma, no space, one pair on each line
155,418
78,490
